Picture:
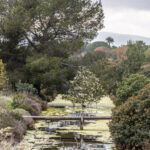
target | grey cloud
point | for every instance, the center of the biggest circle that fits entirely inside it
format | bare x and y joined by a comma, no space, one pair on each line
133,4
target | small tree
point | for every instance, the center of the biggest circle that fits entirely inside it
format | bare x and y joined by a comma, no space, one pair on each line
110,40
85,88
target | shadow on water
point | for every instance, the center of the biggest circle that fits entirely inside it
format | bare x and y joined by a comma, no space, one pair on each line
65,135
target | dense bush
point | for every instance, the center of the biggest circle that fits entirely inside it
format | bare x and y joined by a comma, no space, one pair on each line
130,87
6,117
12,124
130,125
26,87
27,102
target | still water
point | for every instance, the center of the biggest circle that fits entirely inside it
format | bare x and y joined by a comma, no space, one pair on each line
66,135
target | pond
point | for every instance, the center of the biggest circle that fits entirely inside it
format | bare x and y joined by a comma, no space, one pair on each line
66,135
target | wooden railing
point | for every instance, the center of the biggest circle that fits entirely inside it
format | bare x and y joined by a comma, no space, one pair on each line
81,119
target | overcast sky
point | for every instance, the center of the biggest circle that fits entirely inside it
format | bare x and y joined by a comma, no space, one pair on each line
127,16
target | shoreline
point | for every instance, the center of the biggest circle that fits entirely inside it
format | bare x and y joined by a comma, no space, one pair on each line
14,125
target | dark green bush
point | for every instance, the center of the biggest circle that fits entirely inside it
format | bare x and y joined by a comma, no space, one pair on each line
26,87
48,75
130,87
130,125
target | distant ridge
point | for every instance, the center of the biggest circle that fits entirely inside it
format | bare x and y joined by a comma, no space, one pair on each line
121,39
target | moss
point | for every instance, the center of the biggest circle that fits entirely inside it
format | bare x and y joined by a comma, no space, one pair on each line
92,129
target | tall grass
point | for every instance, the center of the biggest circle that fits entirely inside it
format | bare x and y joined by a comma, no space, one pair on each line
8,146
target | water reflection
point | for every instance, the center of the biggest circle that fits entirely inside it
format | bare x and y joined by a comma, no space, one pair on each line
66,135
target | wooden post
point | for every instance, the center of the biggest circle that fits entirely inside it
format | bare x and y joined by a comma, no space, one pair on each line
81,123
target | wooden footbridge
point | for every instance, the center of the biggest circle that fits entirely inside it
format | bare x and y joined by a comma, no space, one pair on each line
81,118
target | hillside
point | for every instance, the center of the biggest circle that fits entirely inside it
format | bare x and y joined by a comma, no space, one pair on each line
121,39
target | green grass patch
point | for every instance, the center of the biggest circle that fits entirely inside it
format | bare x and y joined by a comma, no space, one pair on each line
8,103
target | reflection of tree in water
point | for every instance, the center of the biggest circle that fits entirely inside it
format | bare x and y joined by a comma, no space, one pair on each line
65,135
75,141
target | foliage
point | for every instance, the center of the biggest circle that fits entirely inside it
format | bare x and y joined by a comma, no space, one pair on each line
6,117
92,46
130,122
85,88
130,87
3,77
147,55
26,87
135,58
26,102
19,101
48,75
109,75
108,72
90,58
44,27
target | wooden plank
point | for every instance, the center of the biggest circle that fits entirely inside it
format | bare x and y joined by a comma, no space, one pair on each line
67,118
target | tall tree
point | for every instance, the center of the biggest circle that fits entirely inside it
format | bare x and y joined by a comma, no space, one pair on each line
110,40
56,28
134,58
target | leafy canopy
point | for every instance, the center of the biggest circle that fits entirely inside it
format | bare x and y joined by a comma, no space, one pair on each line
135,58
130,87
51,28
54,27
109,40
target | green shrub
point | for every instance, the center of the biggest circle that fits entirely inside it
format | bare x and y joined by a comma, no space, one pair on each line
26,87
130,87
130,125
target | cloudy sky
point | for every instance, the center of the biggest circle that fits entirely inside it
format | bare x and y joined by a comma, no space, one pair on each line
127,16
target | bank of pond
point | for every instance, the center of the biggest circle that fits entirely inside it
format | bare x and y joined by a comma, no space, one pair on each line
66,135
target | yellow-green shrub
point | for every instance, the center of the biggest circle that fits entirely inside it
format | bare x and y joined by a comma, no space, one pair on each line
3,77
27,102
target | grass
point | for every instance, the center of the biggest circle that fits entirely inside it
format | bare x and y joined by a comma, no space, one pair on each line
104,102
7,102
8,146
